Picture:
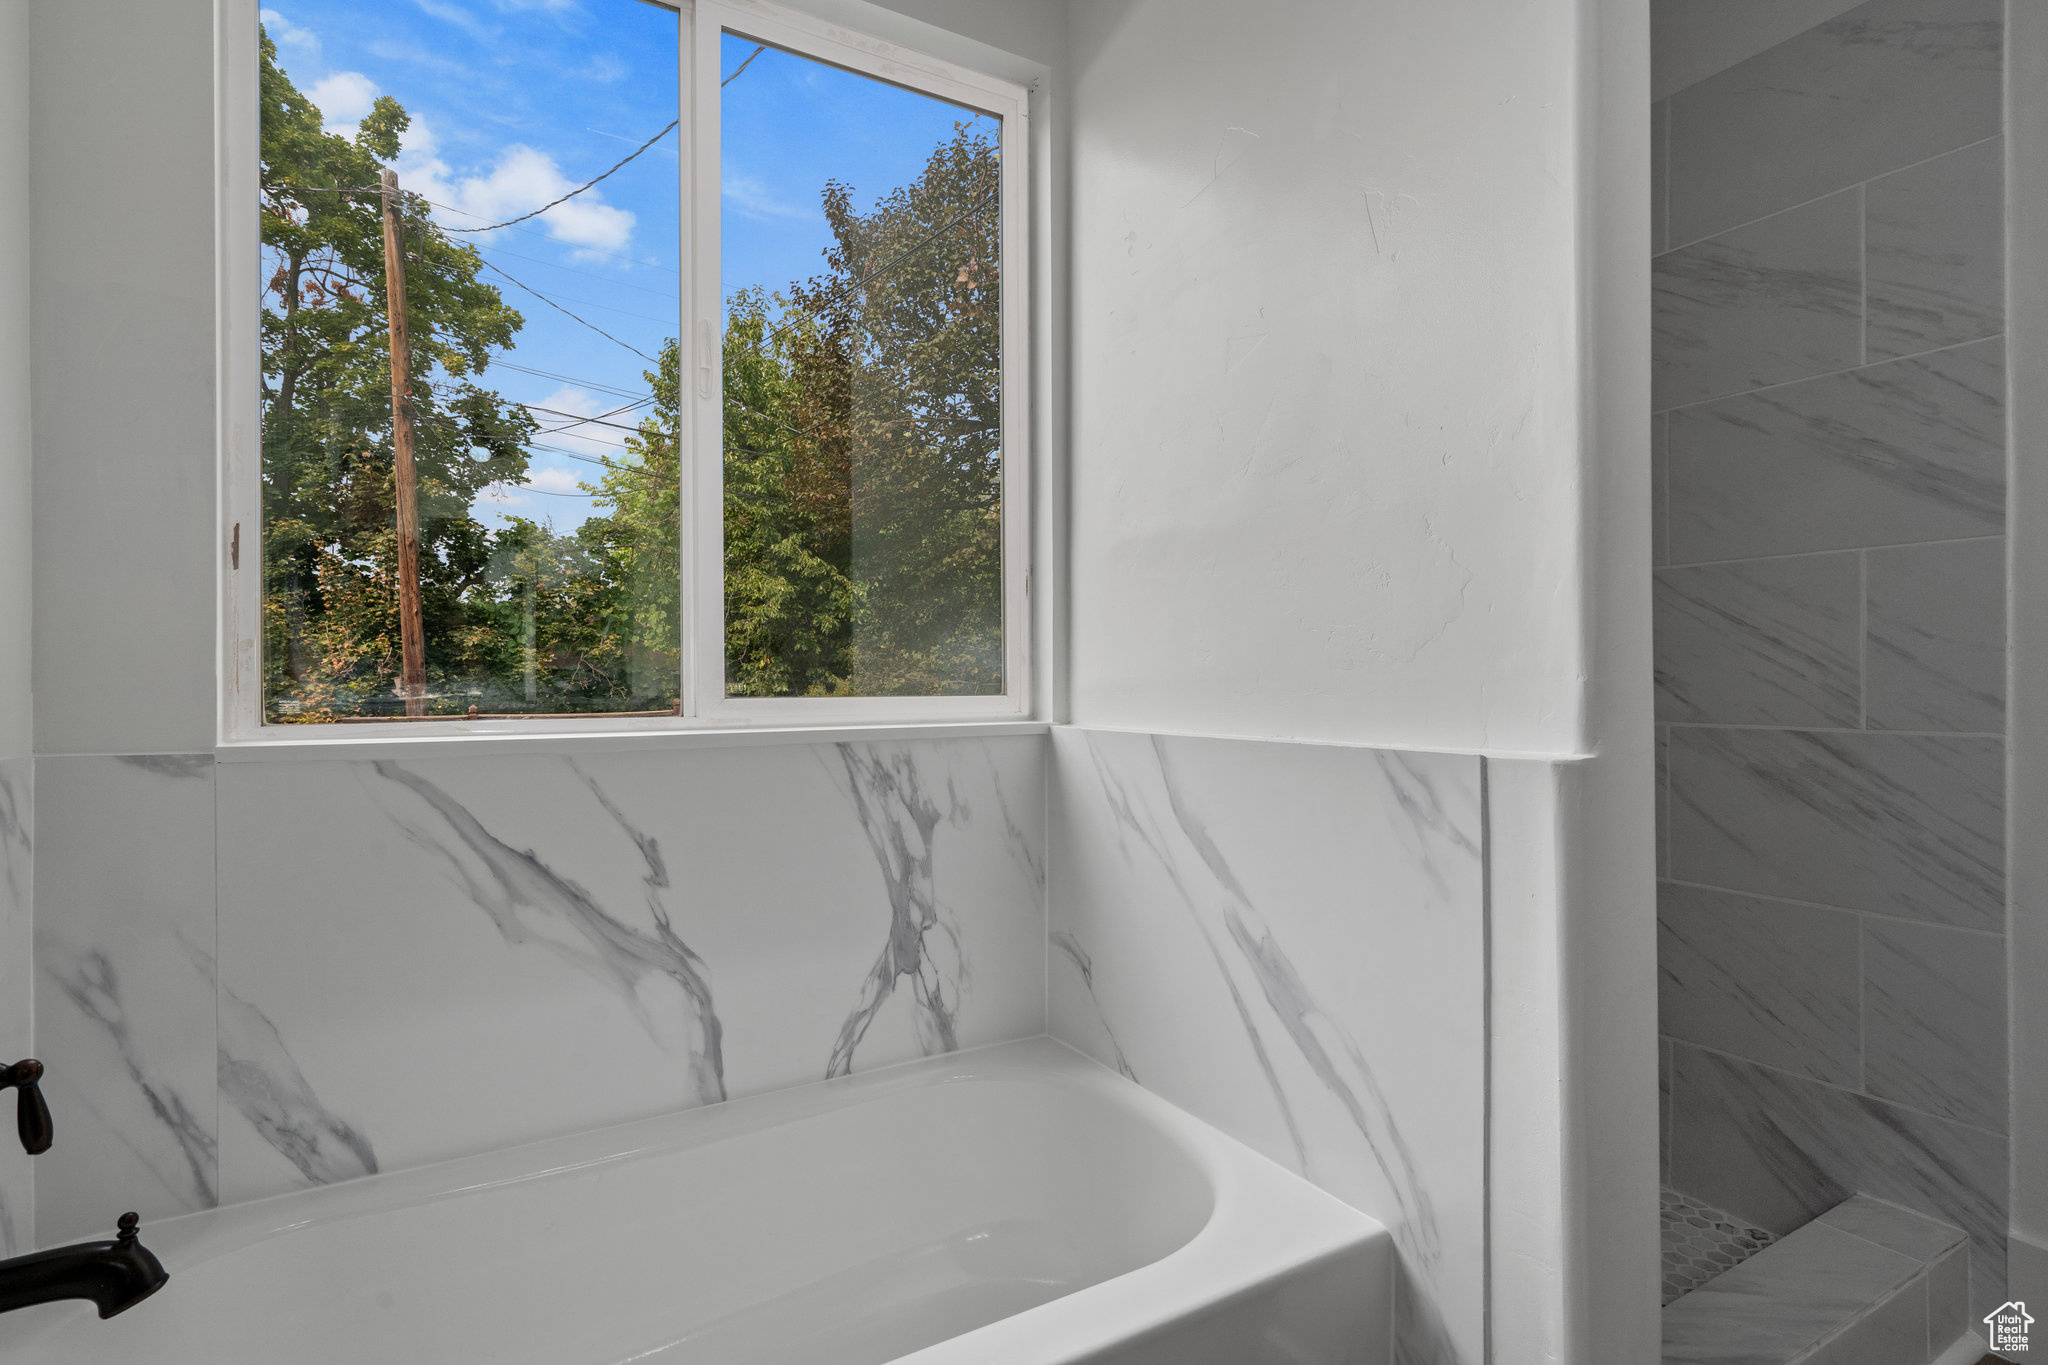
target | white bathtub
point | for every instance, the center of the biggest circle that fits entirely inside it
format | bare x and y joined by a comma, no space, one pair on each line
1018,1205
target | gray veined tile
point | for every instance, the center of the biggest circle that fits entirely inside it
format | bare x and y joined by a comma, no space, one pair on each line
1884,85
1660,176
1893,1332
1767,303
1937,637
1763,642
1663,801
1948,1299
1934,252
1910,450
1775,983
1904,1231
1783,1151
1660,489
1783,1300
1900,824
1934,1020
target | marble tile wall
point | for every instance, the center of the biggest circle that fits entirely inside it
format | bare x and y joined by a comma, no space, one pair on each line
395,962
17,984
1289,942
1830,479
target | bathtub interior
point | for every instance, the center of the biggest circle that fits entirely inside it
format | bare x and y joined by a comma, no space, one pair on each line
851,1237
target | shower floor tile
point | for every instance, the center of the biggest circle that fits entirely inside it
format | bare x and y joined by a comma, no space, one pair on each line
1701,1241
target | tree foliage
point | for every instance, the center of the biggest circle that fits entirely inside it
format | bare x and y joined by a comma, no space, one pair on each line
862,460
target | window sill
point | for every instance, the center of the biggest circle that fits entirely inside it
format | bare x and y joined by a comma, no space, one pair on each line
471,739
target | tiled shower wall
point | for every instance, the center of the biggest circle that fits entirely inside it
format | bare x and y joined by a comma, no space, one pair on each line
1830,607
1289,941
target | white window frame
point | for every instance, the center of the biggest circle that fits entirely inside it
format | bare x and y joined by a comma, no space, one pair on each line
705,706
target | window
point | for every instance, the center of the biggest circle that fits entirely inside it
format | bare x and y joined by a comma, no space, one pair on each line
619,363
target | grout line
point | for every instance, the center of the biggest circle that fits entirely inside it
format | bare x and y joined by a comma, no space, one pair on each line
1835,374
1862,1008
1831,1085
1886,916
1835,730
1842,550
1863,272
1804,203
1863,639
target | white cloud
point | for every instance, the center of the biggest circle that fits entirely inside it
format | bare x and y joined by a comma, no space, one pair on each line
458,16
522,180
603,68
343,98
755,200
287,34
553,481
587,438
544,6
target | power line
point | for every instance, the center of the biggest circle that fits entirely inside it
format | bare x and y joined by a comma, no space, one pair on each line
572,270
571,379
584,186
566,313
743,66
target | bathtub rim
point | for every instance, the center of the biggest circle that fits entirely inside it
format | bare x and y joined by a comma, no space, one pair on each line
1264,1224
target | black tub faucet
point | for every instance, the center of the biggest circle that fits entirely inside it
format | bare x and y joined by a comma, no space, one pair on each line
115,1275
31,1115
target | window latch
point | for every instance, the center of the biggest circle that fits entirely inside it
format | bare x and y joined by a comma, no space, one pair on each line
703,359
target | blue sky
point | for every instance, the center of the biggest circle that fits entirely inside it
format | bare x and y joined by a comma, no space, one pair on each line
517,101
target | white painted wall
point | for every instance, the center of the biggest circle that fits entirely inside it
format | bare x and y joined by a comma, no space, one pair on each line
1690,40
1325,426
123,330
121,114
2026,170
16,736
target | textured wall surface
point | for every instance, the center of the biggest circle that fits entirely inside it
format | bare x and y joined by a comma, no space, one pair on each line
359,966
1325,454
1289,942
1830,627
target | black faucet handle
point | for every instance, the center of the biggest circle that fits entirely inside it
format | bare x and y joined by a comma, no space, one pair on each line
31,1115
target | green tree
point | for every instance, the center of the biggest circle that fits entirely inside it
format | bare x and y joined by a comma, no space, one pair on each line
863,454
516,619
329,537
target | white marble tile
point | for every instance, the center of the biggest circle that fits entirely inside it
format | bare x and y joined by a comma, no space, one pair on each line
1288,941
1934,1020
1766,303
1937,637
124,989
547,944
1910,450
1784,1300
1882,86
1782,1151
17,972
1761,642
1899,824
1934,252
1775,983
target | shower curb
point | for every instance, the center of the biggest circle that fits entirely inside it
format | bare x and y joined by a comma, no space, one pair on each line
1866,1283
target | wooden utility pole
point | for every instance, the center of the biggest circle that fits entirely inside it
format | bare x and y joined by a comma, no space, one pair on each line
405,483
